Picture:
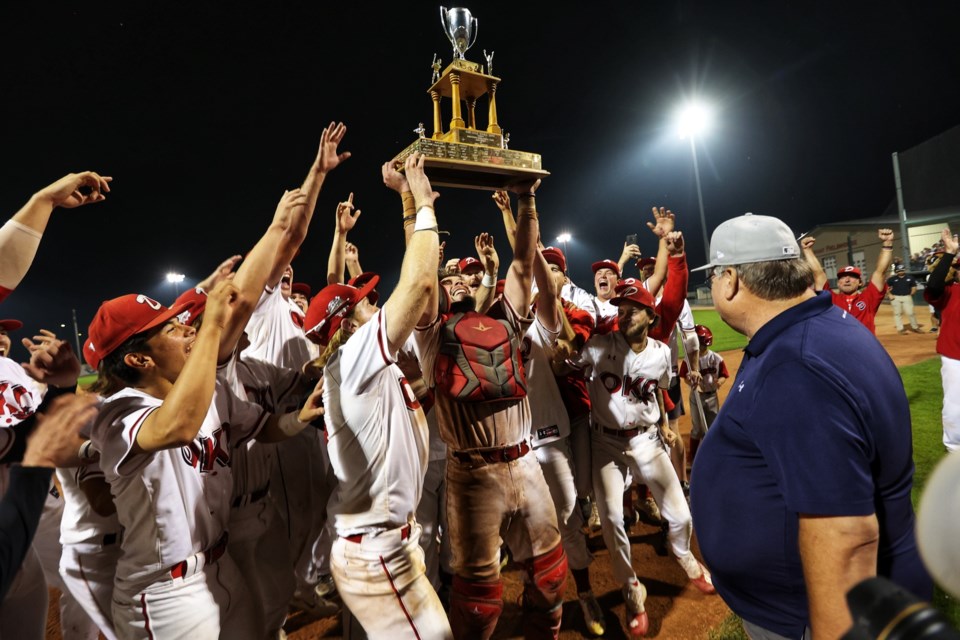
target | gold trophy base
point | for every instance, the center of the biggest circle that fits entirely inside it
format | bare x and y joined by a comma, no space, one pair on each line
474,166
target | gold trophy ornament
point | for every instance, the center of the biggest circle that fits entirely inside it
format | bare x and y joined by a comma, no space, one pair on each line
465,155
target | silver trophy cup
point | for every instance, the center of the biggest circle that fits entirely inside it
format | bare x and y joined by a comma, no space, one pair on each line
461,29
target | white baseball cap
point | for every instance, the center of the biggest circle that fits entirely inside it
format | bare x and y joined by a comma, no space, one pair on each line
749,238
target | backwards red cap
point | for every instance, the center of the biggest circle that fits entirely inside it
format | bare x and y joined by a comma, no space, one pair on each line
361,279
469,266
302,288
632,289
553,255
120,319
329,307
10,325
193,301
646,262
849,270
606,264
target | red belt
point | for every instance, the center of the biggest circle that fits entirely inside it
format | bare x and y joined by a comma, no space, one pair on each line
358,537
493,456
210,556
620,433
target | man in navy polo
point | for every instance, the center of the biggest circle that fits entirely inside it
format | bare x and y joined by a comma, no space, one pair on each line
802,485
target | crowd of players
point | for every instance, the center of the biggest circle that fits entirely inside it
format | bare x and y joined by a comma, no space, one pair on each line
254,447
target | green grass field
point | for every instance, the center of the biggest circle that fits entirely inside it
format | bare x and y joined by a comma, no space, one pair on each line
922,383
724,338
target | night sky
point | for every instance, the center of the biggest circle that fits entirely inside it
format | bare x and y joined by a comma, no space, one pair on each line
205,112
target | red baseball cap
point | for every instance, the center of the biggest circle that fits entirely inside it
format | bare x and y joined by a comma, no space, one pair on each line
553,255
849,271
470,265
362,279
10,325
302,288
632,289
329,307
193,301
646,262
120,319
606,264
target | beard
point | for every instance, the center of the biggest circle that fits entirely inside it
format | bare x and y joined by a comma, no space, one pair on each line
465,304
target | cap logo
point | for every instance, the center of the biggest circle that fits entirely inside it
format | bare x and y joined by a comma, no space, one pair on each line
788,251
150,302
184,318
337,306
629,291
719,254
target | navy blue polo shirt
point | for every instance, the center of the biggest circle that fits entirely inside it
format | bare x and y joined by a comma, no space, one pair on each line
817,422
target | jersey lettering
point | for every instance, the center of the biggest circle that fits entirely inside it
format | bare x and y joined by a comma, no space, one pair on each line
205,453
640,389
16,403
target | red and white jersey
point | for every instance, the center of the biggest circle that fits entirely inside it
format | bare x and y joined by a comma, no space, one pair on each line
80,524
377,434
598,309
712,367
20,395
172,503
623,384
549,419
862,305
685,322
275,389
275,336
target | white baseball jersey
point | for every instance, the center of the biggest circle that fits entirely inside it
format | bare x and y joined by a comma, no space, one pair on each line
597,308
20,396
711,368
686,323
80,524
275,337
623,384
377,434
275,389
549,419
172,503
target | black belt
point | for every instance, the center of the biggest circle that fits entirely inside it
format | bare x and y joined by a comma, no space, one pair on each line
250,498
620,433
493,456
111,538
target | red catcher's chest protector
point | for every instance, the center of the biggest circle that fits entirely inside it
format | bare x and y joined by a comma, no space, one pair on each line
479,359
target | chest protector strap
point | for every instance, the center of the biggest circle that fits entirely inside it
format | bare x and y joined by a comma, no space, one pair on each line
479,359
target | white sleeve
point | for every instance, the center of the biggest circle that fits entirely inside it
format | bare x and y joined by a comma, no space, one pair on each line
116,435
686,320
426,345
667,372
365,354
542,336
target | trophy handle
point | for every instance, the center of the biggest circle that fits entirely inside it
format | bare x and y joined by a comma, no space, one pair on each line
443,18
473,23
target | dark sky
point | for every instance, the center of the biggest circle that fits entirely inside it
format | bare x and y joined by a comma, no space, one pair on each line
205,112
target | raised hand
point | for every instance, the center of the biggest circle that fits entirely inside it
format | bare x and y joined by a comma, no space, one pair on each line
950,243
440,261
674,241
351,253
52,361
423,193
502,200
346,215
224,271
886,236
807,242
522,188
393,178
56,440
630,252
76,190
487,252
221,302
328,158
663,222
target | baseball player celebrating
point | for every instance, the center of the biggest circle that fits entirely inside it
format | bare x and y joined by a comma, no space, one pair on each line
165,433
862,305
378,438
628,372
713,373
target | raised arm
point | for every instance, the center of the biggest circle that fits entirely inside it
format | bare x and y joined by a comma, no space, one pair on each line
416,293
937,281
397,181
346,219
630,253
223,271
20,236
178,420
487,254
548,311
502,199
884,260
819,275
664,222
520,273
352,259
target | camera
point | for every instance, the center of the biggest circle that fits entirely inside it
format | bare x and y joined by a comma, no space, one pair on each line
883,610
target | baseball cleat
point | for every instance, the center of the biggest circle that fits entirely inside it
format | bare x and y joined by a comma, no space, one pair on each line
635,594
649,511
592,614
638,624
315,604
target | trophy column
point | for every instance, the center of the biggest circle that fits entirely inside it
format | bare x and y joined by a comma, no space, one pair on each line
492,126
457,121
437,124
471,115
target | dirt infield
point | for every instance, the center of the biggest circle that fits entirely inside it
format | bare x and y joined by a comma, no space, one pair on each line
676,609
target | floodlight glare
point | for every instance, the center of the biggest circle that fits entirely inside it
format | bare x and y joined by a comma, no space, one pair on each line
175,278
693,119
564,238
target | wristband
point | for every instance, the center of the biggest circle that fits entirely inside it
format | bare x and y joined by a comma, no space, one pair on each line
489,281
426,219
887,248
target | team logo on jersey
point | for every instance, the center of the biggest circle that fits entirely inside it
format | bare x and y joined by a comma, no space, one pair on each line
208,452
861,305
16,403
640,389
548,432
